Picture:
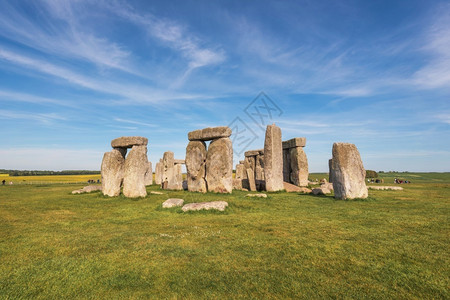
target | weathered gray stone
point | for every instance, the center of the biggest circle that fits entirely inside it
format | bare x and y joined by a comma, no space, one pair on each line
158,173
112,170
172,202
156,193
175,178
289,187
196,166
129,141
257,195
327,185
286,165
88,189
320,191
240,169
330,163
148,177
210,133
122,151
136,164
254,152
295,142
273,159
237,184
348,172
299,166
251,180
219,166
217,205
250,163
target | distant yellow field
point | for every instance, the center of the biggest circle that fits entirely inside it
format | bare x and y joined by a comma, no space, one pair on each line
48,179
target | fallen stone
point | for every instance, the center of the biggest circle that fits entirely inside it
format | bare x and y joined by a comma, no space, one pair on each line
210,133
393,188
219,166
348,172
218,205
257,195
295,142
129,141
156,193
320,191
88,189
112,170
196,166
172,202
290,188
327,185
136,164
273,159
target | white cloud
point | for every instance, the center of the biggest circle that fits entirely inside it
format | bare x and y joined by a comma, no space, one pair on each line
46,118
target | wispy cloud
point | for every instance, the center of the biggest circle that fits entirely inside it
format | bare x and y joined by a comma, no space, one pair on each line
135,122
21,97
46,118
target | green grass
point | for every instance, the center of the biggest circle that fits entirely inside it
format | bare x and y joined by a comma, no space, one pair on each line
393,245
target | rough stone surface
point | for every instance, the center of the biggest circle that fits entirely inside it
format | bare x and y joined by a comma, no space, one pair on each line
393,188
210,133
172,202
136,164
129,141
289,187
295,142
88,189
112,170
156,193
286,165
299,166
240,169
257,195
148,177
158,173
175,178
122,151
218,205
251,180
237,184
327,185
196,166
254,152
320,191
348,172
330,177
219,166
179,161
273,159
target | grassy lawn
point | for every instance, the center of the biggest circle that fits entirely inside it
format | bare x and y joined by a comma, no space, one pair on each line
393,245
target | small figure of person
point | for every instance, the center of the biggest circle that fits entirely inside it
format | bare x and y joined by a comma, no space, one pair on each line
3,181
10,183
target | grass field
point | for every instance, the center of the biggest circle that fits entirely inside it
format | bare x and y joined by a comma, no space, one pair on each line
393,245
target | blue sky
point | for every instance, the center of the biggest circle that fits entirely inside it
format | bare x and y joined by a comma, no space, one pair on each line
76,74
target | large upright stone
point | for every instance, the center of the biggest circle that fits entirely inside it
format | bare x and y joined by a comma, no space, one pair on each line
158,173
219,166
330,176
196,166
273,159
129,141
148,178
348,172
210,133
251,180
112,170
172,177
286,165
299,166
136,164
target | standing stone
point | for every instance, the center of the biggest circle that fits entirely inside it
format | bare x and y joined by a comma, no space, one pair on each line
158,173
219,166
348,172
148,178
112,170
330,177
251,180
273,159
299,166
175,181
240,171
196,166
136,164
286,165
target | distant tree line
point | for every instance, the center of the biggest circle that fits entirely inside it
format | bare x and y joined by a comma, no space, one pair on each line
371,174
37,173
